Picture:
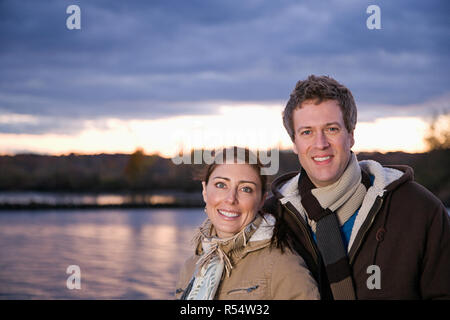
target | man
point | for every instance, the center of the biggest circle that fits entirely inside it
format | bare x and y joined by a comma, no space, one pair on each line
366,231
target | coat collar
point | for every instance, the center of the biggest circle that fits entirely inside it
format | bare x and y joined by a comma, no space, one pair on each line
236,249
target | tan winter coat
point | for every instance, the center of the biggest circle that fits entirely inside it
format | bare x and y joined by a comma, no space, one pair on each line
260,272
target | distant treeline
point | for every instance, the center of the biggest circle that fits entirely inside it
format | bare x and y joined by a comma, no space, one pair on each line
146,173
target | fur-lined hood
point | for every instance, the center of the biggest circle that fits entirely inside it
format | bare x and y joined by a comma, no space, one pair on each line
385,179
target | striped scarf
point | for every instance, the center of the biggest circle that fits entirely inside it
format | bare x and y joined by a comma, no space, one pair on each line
343,197
327,209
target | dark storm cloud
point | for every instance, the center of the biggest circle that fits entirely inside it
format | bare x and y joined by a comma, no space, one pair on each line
152,59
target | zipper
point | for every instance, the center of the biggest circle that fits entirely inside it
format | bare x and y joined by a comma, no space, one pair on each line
373,212
187,290
303,226
248,290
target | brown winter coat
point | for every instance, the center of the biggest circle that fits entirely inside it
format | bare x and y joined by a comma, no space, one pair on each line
406,234
259,272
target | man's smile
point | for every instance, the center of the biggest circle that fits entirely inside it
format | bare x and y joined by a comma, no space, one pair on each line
322,160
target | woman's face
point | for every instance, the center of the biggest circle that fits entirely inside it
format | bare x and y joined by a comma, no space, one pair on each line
233,197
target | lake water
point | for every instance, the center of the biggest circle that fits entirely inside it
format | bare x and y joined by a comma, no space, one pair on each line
122,254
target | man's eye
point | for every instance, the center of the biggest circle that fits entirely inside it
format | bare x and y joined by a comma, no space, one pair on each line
305,132
247,189
220,185
333,129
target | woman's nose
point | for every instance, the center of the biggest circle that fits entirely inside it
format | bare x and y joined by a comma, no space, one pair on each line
231,196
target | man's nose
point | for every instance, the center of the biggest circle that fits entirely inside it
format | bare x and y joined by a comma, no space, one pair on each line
321,140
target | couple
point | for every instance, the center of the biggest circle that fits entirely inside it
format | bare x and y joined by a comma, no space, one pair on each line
337,229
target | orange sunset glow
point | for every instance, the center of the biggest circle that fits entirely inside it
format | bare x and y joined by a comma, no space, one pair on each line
254,126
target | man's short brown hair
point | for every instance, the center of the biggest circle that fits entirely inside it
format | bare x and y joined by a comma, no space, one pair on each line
319,89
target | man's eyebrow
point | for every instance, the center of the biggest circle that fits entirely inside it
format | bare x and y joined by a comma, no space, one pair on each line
241,181
333,123
326,124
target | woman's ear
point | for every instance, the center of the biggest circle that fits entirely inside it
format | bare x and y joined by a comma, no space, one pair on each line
263,199
204,191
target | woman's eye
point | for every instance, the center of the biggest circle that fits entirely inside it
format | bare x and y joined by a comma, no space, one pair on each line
247,189
220,185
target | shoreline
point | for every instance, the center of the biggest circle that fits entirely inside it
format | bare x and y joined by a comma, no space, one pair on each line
39,206
36,200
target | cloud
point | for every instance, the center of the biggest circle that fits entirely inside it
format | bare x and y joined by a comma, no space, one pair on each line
426,110
11,123
155,59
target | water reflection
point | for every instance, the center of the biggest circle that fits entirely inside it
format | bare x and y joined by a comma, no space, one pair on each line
122,254
73,199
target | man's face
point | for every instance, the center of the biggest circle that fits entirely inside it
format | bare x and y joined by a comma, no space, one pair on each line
322,141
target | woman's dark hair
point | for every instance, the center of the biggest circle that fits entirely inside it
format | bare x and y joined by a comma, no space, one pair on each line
234,155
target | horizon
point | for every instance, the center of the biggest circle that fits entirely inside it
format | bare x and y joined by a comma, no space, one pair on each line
290,150
404,134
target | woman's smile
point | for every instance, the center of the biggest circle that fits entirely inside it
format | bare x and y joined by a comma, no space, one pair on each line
227,214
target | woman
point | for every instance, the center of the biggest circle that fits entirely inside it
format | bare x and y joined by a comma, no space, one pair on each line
234,256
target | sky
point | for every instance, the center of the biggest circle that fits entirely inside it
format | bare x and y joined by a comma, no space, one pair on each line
166,75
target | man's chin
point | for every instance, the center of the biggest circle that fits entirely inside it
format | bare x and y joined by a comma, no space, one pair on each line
322,180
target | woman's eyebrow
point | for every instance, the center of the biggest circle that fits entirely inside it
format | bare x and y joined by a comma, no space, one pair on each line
241,181
228,179
246,181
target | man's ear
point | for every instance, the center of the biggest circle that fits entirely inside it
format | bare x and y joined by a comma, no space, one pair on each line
294,147
204,191
352,138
